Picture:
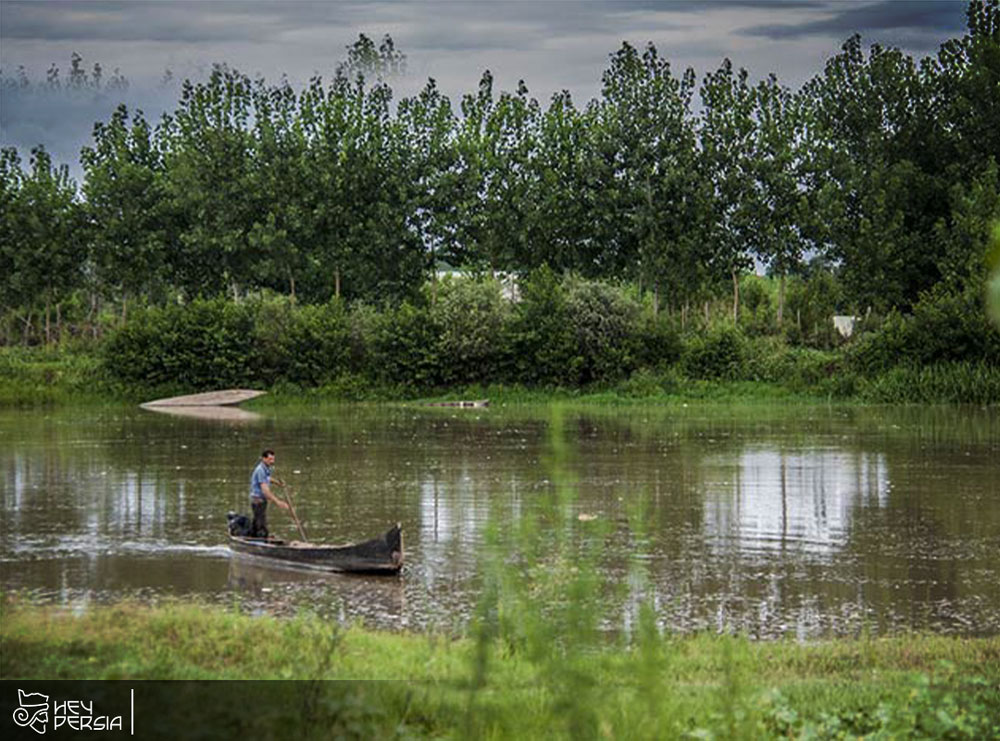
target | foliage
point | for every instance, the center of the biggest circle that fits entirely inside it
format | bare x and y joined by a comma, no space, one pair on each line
955,382
603,321
938,705
944,326
881,167
34,376
719,353
509,680
471,316
399,346
543,344
612,217
993,286
565,333
304,345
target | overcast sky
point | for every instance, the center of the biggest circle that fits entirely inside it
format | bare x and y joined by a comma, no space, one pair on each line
551,45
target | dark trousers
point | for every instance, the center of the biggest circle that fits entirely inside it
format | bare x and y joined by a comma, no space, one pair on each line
259,518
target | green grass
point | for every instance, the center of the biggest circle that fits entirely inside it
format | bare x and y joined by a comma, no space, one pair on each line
700,686
48,376
59,376
976,383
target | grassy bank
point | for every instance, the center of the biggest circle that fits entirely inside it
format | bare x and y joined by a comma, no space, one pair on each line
44,376
57,376
701,686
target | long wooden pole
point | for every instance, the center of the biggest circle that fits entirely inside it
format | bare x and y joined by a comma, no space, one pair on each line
291,510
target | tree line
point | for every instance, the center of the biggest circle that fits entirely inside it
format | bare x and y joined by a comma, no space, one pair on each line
881,170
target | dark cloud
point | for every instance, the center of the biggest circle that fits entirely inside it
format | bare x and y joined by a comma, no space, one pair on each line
552,45
919,20
218,20
184,22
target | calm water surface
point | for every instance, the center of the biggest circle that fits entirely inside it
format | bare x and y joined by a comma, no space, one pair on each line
805,521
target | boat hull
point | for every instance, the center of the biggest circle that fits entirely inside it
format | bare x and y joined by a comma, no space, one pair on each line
382,555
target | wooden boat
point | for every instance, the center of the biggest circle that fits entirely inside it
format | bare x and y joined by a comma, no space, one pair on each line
221,398
382,555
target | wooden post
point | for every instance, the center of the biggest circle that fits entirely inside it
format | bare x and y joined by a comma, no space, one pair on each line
781,299
736,296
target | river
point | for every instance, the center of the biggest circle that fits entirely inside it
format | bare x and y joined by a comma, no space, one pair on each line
808,521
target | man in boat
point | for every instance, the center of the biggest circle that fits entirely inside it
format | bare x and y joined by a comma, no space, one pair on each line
260,493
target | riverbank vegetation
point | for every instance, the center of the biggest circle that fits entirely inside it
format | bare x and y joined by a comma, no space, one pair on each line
661,687
562,337
604,246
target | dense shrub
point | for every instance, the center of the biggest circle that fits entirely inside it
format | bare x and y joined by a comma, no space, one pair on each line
400,345
719,353
658,342
771,360
543,343
944,327
562,332
646,383
947,326
604,321
205,344
872,352
757,312
217,344
38,375
811,303
306,346
472,318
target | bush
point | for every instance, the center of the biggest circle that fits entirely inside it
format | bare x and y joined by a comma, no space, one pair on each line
204,345
303,345
472,319
757,312
604,321
871,353
948,326
659,344
543,343
400,345
648,383
811,304
218,344
944,327
796,368
39,375
720,353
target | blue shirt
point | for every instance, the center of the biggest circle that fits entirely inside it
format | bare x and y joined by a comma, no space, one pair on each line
261,475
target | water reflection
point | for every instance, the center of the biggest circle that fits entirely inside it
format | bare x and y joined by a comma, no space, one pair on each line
808,521
208,413
791,499
280,588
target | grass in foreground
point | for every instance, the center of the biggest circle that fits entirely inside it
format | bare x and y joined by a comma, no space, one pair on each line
701,686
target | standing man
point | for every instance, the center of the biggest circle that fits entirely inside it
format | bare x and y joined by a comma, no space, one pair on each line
260,493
